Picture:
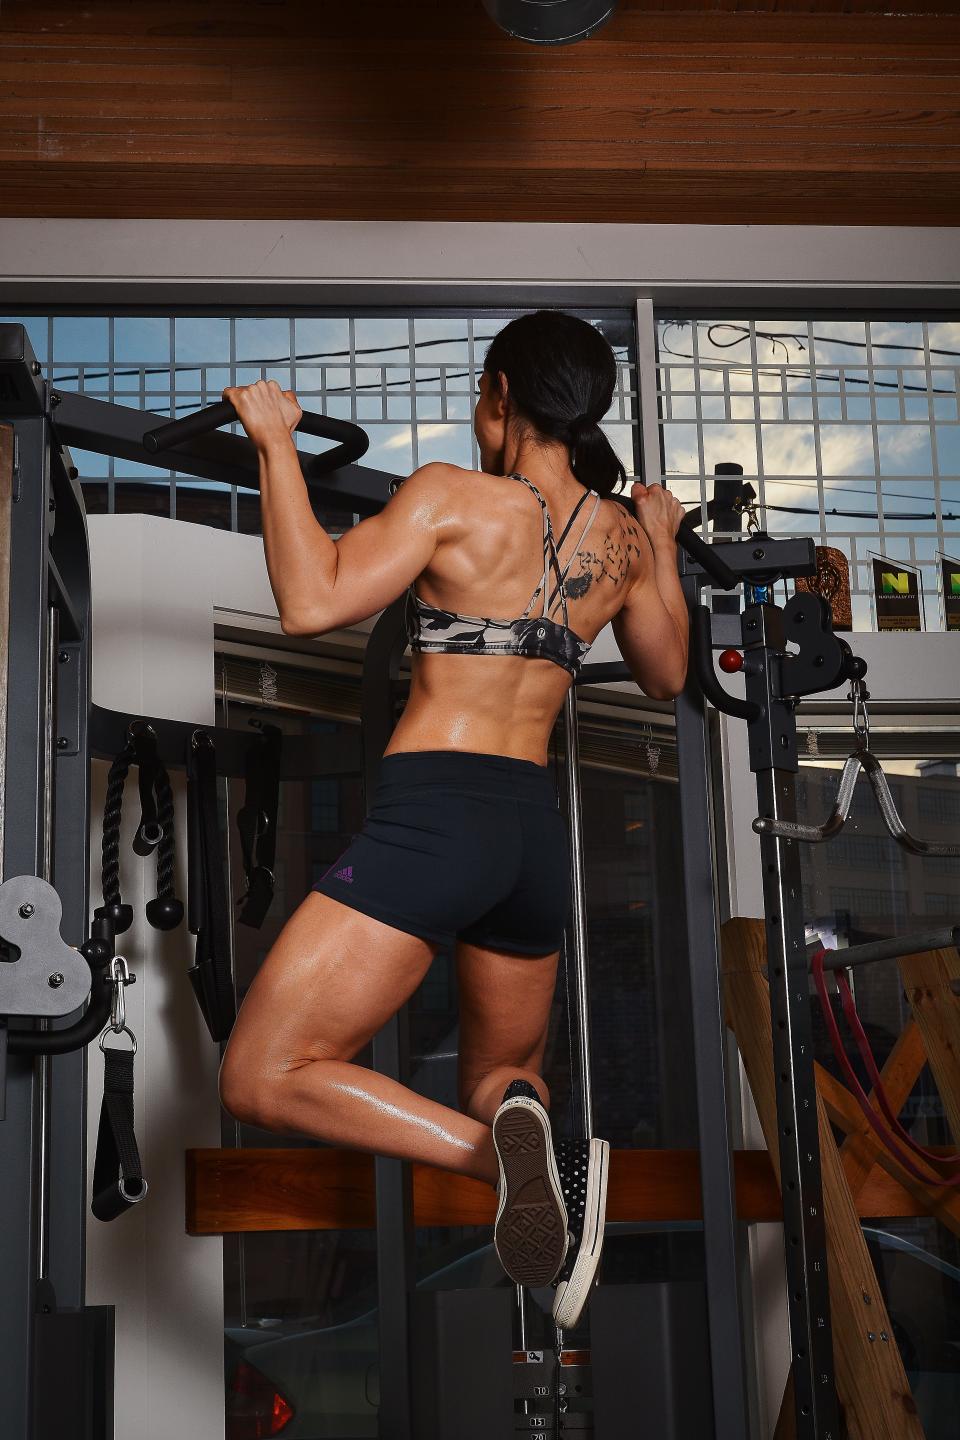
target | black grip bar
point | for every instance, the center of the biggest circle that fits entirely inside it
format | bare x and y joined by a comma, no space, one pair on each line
701,644
698,549
703,554
352,440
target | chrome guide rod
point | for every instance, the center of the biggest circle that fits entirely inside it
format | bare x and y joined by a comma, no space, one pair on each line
580,996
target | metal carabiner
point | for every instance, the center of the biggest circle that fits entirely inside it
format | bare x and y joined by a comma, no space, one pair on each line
120,977
861,715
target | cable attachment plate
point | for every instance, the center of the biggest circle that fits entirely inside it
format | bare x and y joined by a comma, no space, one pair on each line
43,975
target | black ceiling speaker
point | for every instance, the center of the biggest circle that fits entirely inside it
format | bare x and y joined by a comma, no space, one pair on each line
550,22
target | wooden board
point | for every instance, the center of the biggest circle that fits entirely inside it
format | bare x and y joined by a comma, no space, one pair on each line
325,1189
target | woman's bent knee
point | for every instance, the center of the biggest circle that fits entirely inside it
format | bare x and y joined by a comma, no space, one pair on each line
260,1095
237,1096
247,1093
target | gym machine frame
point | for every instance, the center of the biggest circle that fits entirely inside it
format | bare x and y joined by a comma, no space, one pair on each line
775,680
56,1369
45,634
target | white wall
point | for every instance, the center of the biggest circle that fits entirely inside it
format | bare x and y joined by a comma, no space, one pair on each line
156,584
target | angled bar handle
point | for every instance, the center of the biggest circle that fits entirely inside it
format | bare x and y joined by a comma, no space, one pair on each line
861,760
704,555
697,548
893,821
701,646
352,440
835,821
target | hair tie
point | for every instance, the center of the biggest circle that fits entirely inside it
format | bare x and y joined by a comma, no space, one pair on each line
579,424
578,427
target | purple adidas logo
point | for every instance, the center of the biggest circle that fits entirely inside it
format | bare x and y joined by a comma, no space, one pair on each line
345,874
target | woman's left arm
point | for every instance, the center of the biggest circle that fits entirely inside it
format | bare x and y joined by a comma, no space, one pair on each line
319,583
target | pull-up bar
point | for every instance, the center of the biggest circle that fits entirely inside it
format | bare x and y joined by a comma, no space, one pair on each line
352,441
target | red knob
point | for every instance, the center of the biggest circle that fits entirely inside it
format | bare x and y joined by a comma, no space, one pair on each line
730,661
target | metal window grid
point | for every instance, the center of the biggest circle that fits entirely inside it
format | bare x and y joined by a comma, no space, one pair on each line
824,415
409,379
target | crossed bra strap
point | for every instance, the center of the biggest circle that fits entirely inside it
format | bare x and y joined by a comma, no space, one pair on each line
551,548
539,636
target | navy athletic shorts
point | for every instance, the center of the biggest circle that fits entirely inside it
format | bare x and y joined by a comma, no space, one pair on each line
461,844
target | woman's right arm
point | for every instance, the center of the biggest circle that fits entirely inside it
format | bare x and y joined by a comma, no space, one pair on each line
652,627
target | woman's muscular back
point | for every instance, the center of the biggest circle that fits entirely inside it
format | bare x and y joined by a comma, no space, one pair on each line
488,564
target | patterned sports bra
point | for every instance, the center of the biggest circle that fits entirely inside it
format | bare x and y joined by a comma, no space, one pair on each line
536,636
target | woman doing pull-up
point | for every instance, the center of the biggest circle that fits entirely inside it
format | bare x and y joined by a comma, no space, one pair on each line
510,572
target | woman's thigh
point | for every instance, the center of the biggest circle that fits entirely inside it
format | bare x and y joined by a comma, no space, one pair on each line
331,980
505,1003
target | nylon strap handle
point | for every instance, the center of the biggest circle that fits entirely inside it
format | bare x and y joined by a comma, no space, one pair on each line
257,823
118,1182
208,907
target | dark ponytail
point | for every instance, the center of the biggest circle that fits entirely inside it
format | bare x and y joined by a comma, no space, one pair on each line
561,374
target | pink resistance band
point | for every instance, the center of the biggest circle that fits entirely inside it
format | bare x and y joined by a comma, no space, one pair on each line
891,1132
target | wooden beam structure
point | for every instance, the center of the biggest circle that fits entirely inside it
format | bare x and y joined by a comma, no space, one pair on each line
872,1386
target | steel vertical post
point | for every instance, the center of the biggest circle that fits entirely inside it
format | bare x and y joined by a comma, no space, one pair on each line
45,655
44,1062
23,846
773,757
67,1109
694,764
721,1263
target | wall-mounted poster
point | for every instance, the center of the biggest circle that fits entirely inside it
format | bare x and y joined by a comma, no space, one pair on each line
896,594
950,591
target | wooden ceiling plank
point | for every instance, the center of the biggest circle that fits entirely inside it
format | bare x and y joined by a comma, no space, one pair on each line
330,58
732,158
329,30
624,130
585,159
205,192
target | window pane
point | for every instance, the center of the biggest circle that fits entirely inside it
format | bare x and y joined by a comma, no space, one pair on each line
862,886
870,428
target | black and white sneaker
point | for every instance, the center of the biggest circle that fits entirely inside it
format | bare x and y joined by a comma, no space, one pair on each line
583,1166
530,1233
